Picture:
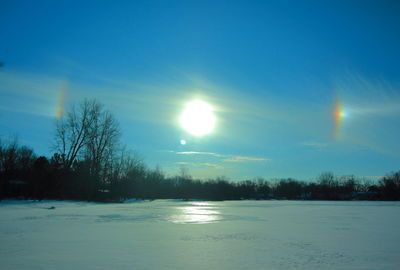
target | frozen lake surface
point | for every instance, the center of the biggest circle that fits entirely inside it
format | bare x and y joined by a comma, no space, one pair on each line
166,234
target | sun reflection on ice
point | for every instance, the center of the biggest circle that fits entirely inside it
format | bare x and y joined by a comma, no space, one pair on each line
197,213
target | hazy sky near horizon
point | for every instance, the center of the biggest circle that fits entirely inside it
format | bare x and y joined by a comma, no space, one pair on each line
274,71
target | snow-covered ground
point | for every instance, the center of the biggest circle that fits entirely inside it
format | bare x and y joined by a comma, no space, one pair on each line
170,234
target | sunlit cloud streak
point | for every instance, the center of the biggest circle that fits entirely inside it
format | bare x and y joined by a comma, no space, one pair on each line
212,165
226,158
315,144
200,153
201,164
244,159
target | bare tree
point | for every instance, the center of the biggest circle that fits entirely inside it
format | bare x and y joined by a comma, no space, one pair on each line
9,155
15,157
71,135
327,179
102,140
89,132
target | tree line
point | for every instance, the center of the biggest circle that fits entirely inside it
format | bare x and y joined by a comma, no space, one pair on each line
90,163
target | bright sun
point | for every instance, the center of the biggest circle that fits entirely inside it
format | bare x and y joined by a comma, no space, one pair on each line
198,118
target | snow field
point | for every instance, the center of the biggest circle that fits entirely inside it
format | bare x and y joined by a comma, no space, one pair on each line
167,234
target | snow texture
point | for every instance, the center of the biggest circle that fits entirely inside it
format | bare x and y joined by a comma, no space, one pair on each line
166,234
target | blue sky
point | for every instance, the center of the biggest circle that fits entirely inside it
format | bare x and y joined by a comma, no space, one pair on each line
273,71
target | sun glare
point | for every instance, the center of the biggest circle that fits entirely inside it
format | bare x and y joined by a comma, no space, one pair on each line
198,118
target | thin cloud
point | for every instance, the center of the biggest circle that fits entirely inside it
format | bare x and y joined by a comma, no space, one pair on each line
199,153
226,158
212,165
201,164
315,144
244,159
182,163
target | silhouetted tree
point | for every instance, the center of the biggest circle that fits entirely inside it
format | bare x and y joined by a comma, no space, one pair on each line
102,140
88,139
263,187
15,166
390,186
289,189
328,186
72,132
